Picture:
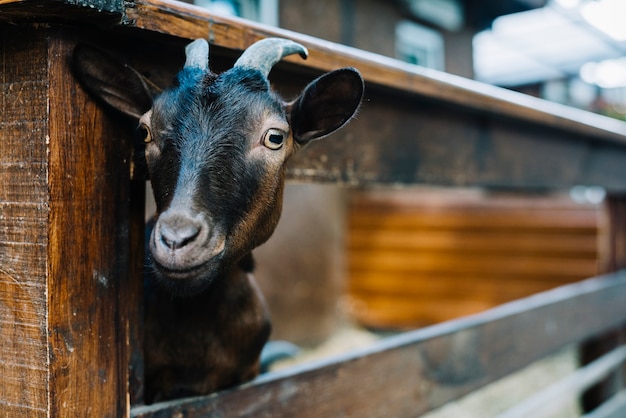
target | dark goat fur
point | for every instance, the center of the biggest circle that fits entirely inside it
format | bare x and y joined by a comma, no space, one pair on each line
216,148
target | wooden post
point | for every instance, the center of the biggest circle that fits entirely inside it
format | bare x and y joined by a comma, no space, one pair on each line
612,258
65,293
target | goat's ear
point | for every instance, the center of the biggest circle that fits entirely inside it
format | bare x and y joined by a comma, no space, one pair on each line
117,84
326,104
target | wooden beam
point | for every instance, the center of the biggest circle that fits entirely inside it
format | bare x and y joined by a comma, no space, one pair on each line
438,129
24,212
425,368
65,289
188,21
46,11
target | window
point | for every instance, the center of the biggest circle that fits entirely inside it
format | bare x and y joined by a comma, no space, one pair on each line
264,11
419,45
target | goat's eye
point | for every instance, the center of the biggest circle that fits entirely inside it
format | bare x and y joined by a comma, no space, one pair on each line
145,134
274,139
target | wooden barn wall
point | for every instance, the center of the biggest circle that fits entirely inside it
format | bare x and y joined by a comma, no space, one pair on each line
425,257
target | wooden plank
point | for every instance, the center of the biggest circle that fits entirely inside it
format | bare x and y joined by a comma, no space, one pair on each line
394,262
23,231
421,256
481,136
550,400
100,5
88,259
65,294
187,21
425,368
44,10
440,286
483,219
131,298
439,129
379,312
481,242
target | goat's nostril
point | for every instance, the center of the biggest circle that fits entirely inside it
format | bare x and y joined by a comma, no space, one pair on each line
178,236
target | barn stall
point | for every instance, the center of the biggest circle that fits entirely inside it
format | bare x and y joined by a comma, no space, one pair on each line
72,219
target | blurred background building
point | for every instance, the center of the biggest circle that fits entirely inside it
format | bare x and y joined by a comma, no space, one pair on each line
568,51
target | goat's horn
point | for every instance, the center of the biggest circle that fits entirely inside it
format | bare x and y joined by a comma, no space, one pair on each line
197,54
264,54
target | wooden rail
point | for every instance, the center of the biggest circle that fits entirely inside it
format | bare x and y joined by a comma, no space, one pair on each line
421,370
71,224
440,129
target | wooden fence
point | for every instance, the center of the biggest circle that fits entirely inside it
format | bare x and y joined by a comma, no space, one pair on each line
71,221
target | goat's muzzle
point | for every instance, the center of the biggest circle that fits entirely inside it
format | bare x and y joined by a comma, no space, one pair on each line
183,244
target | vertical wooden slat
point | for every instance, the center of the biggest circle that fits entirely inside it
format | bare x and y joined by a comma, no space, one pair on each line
612,258
23,229
66,300
88,255
613,244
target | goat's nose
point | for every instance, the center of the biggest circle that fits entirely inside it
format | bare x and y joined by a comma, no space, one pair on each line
178,230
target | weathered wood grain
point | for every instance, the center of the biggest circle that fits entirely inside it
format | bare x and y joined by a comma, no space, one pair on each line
66,309
424,368
65,293
89,247
439,129
417,257
47,10
187,21
24,212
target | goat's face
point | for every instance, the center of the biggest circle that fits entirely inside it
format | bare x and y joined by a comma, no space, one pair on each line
216,148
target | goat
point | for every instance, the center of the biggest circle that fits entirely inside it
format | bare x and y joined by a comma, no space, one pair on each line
216,146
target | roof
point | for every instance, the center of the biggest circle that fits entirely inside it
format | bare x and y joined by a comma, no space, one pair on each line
548,43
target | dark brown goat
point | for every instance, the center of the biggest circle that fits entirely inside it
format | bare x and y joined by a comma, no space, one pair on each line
216,148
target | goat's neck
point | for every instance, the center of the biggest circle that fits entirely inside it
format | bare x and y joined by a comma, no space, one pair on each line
206,342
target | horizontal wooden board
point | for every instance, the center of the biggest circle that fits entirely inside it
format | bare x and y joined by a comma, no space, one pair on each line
483,220
439,287
426,368
439,129
397,262
187,21
481,241
409,313
432,254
